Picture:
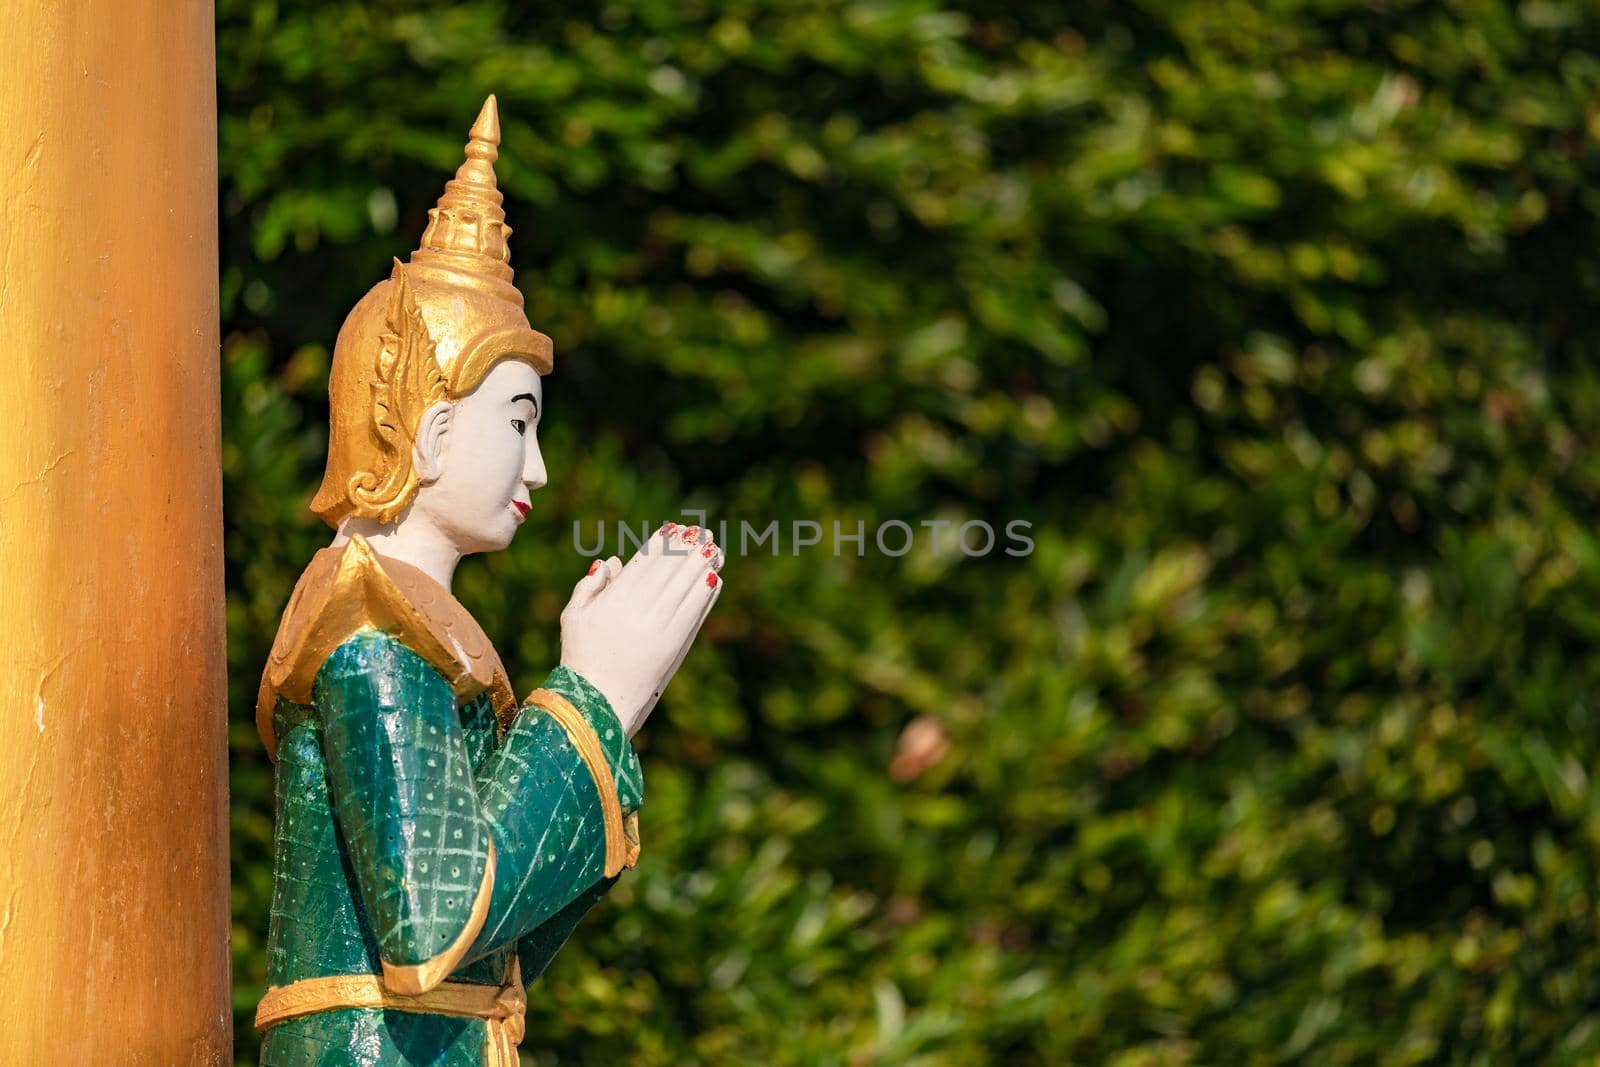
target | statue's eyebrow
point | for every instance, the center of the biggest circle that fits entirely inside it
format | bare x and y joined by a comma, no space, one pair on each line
530,399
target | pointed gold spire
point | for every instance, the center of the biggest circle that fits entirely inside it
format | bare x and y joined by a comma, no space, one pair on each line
487,127
467,230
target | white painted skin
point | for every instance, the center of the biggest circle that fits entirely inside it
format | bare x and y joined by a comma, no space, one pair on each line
627,628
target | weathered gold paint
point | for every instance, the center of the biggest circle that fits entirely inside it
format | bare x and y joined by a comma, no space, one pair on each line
113,763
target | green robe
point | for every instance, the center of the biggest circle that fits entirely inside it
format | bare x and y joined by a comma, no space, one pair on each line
390,792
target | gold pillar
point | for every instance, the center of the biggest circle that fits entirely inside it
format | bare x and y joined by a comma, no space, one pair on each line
113,763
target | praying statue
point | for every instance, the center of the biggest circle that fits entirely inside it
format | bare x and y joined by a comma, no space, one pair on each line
437,839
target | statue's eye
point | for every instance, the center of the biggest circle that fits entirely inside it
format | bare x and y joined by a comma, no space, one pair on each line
520,426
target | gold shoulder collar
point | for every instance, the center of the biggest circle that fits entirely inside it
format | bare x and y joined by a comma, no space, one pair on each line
348,589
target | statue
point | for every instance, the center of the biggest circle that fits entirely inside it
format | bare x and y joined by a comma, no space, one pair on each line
437,840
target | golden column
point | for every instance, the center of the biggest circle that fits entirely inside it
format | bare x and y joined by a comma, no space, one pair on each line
113,763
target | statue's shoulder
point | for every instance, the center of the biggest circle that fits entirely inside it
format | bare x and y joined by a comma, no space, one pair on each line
348,589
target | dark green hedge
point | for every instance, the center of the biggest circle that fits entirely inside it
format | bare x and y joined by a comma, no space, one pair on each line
1275,319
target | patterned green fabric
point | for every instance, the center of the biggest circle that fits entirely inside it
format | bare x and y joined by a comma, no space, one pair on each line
387,797
361,1038
537,949
557,848
318,923
618,749
402,787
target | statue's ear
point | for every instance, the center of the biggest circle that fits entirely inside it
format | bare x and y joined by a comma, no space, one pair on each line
427,455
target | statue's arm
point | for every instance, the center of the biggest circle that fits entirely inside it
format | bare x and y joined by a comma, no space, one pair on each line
548,805
539,946
451,865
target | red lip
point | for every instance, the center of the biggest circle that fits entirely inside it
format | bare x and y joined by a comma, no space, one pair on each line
522,509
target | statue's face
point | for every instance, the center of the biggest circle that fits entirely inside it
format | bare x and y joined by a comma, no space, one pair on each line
480,460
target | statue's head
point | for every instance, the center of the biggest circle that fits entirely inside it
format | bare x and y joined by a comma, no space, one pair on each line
435,396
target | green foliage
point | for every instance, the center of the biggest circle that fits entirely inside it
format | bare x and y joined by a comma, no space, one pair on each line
1274,319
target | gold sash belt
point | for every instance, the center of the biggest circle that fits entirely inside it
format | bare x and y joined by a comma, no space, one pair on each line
503,1008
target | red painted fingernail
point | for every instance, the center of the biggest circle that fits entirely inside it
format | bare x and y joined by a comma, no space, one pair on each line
711,580
594,566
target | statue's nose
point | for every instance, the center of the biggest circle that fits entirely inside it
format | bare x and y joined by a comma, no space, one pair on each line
534,475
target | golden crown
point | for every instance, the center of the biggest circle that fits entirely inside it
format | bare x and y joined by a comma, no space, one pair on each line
429,332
